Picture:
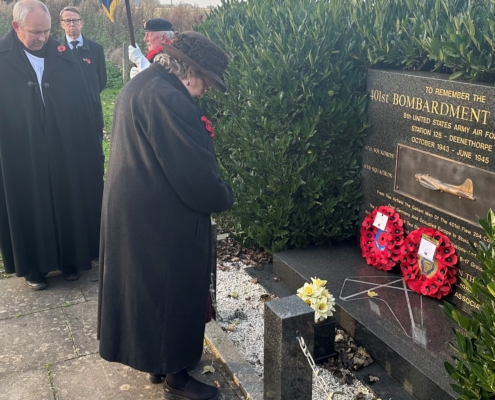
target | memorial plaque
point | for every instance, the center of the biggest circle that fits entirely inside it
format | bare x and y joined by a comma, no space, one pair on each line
458,189
429,154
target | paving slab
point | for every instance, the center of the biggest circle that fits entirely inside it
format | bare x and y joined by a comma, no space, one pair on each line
49,351
88,283
32,384
31,341
16,298
91,377
82,320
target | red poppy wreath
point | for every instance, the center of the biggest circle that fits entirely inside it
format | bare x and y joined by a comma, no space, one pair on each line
430,278
381,246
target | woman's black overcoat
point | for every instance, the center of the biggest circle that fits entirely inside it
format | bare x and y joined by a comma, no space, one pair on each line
162,184
51,179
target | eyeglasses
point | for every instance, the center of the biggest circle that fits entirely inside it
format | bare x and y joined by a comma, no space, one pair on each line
71,21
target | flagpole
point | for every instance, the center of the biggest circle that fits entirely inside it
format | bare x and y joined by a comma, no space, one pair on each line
129,23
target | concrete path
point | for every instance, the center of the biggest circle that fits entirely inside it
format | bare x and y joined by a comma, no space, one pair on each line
49,351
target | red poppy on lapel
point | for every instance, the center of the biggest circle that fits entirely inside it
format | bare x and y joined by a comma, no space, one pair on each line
208,126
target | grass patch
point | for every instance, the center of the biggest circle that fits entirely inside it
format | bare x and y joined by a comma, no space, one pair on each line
108,97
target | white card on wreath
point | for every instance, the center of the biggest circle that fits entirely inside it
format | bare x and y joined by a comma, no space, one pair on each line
380,221
427,247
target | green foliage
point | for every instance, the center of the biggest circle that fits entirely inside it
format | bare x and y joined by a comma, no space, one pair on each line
114,76
108,97
450,36
474,366
5,26
289,131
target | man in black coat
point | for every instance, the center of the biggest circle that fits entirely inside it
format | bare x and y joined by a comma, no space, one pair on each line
51,179
90,57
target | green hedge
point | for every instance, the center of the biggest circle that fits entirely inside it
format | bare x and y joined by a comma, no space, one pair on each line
289,131
456,37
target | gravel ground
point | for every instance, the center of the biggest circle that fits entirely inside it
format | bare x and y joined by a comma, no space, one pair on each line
240,302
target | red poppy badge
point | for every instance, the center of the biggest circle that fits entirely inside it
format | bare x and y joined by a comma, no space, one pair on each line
208,126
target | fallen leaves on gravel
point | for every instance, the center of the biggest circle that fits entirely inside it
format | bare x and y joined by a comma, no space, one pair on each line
231,251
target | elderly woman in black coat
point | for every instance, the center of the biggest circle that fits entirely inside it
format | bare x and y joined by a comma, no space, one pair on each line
162,185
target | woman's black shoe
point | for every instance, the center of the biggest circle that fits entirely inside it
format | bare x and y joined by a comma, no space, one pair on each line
156,378
194,390
160,378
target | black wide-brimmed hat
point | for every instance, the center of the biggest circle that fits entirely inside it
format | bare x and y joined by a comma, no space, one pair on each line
157,25
202,54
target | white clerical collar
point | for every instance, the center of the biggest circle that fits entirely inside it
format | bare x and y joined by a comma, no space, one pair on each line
79,39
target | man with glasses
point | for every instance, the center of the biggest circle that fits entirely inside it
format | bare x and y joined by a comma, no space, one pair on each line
51,178
158,31
90,57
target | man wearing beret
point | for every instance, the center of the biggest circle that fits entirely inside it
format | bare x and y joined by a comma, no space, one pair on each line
158,31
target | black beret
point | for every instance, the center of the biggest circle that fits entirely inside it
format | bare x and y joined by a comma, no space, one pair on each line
157,25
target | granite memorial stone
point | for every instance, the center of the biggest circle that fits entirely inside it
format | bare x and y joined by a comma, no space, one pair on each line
287,373
429,154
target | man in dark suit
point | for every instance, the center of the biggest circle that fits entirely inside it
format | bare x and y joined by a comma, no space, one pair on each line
90,57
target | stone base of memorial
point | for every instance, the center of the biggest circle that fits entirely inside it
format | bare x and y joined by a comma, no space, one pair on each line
406,334
324,340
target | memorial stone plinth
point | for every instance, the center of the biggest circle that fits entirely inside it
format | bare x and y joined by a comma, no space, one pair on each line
287,373
429,154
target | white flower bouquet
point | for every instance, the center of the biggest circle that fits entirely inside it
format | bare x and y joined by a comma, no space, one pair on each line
317,296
